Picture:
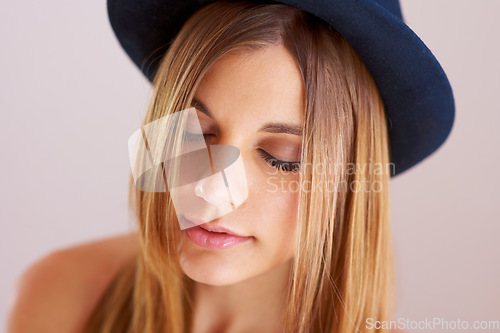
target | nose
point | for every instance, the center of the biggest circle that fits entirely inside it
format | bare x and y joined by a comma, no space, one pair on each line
213,189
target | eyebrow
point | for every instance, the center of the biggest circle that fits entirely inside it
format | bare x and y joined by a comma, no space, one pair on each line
200,106
269,127
282,128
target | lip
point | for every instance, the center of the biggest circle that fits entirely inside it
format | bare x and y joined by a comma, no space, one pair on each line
220,229
215,237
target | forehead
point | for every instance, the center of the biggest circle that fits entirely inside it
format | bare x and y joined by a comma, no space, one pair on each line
263,86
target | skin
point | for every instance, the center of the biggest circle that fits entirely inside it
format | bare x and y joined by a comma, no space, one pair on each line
239,289
58,292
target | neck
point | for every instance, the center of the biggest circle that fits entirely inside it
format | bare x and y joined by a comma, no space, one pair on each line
253,305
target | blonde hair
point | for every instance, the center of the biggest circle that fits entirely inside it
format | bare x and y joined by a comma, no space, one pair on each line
342,269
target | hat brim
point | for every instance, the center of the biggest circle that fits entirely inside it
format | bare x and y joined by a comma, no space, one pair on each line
416,93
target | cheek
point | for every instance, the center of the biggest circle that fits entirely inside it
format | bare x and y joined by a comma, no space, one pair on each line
280,207
278,218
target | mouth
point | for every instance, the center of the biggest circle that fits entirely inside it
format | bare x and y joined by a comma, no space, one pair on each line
211,236
219,229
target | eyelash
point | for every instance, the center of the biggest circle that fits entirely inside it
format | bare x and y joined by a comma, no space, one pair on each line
285,166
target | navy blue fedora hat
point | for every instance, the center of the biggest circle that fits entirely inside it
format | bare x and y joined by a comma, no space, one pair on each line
416,93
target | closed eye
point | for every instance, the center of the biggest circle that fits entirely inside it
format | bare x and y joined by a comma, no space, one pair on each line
193,137
286,166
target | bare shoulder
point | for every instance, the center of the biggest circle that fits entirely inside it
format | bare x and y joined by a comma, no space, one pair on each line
58,291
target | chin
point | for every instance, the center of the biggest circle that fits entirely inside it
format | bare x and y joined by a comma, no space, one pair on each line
213,279
212,271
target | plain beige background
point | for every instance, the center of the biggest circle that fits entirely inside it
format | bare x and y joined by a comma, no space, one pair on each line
69,99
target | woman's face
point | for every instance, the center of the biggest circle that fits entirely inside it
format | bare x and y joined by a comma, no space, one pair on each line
253,101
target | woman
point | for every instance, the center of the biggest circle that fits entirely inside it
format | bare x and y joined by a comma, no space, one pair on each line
309,249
